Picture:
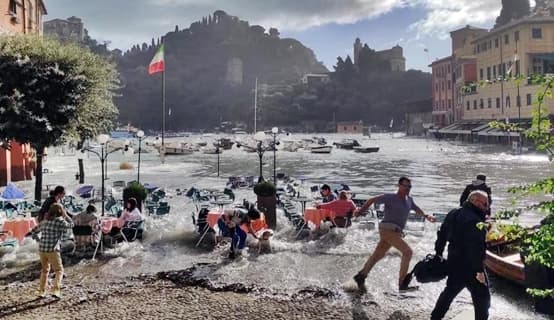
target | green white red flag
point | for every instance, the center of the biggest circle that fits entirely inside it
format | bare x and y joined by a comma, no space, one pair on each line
158,63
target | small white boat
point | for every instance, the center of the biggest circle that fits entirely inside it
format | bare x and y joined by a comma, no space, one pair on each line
320,149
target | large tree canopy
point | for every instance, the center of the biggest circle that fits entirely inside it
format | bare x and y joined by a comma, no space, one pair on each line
51,93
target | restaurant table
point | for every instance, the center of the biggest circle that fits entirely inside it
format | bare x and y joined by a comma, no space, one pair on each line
19,227
303,201
315,216
108,223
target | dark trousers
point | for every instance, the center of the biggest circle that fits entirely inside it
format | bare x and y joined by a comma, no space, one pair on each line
479,294
238,236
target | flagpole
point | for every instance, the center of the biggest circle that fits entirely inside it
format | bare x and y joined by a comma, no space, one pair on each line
162,153
255,104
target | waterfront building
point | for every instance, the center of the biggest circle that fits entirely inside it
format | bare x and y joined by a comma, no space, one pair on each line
19,17
522,47
442,91
354,127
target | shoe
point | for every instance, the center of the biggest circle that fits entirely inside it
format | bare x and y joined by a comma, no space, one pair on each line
41,294
232,255
360,281
57,294
402,289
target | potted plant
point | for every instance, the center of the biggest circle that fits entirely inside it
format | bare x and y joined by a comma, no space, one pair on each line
267,201
137,191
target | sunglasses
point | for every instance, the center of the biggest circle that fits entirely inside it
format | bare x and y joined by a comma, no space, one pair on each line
409,186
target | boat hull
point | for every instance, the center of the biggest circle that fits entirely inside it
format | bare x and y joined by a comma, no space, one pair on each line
507,267
366,149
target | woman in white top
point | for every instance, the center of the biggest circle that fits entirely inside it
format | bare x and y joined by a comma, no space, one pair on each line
130,213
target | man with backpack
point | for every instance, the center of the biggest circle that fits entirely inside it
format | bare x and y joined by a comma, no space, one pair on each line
466,237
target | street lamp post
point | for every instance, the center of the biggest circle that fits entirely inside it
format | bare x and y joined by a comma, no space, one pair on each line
274,131
103,139
140,135
217,146
260,137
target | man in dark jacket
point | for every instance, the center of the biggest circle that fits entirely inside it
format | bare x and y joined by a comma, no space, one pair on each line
466,256
478,184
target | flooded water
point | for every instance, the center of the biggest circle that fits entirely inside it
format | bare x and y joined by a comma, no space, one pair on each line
439,172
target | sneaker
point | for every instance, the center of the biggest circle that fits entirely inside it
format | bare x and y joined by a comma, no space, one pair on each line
41,294
360,281
57,294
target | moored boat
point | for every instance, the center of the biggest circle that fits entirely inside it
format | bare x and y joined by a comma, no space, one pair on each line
321,149
348,144
361,149
504,262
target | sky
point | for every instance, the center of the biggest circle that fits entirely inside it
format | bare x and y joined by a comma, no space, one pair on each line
328,27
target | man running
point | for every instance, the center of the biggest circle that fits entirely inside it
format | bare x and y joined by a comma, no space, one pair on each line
397,208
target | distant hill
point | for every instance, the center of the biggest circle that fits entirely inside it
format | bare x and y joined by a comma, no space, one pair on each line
211,68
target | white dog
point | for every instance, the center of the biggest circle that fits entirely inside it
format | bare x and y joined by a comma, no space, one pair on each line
264,245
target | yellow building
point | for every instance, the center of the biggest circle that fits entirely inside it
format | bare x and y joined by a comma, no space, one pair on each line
521,47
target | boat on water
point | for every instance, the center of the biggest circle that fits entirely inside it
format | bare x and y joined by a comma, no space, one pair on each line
290,145
211,150
177,149
361,149
224,143
504,262
347,144
321,149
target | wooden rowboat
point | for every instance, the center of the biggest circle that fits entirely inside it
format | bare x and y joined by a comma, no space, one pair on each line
505,263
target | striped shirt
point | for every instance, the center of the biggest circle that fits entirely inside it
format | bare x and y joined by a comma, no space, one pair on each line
340,207
51,232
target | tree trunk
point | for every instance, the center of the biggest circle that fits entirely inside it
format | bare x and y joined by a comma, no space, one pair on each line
38,174
268,205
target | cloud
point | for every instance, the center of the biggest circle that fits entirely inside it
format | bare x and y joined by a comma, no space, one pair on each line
444,16
127,22
294,14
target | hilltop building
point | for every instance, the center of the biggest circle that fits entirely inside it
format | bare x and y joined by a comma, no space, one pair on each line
394,56
19,17
70,30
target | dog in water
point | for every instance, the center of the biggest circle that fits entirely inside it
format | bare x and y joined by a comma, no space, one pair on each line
264,245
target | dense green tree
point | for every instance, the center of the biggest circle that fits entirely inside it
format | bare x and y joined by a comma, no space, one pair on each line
51,93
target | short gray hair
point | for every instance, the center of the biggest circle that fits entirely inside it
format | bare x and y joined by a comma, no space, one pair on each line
477,193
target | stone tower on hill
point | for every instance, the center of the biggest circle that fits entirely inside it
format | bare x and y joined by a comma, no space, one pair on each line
394,56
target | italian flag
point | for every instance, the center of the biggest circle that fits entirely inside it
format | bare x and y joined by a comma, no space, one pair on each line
157,64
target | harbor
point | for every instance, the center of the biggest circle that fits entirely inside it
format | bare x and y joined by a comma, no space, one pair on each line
317,266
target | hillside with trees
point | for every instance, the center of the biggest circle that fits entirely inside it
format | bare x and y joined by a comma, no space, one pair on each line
201,87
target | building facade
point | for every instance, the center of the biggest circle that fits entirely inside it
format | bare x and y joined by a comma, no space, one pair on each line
356,127
70,30
442,91
21,16
524,48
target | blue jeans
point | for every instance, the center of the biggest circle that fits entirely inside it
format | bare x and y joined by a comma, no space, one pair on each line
238,236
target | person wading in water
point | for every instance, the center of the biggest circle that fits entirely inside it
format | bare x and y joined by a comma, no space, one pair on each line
397,208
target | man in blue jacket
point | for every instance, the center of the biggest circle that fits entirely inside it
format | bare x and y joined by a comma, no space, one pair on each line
466,255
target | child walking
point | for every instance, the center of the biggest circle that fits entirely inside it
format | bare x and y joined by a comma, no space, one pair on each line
52,230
